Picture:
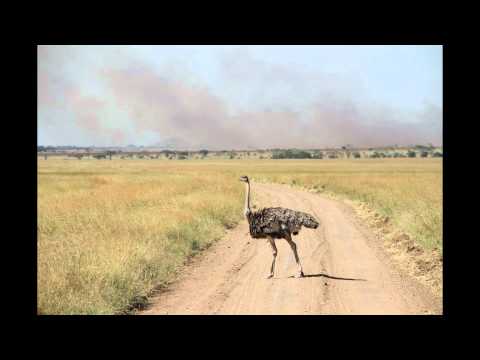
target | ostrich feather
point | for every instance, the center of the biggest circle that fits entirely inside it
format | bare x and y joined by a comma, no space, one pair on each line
278,222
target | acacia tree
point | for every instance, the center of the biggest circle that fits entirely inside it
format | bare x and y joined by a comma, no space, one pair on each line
110,153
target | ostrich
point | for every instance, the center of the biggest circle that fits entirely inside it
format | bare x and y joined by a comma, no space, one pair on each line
276,223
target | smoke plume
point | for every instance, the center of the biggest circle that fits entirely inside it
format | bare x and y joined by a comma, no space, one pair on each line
155,103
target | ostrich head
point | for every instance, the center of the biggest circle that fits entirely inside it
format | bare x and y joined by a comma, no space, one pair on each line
244,179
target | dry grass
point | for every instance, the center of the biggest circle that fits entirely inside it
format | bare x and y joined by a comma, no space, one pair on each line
109,231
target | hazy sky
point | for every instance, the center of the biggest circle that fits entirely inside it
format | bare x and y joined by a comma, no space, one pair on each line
240,96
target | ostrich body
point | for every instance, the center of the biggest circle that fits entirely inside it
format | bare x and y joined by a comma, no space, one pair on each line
276,223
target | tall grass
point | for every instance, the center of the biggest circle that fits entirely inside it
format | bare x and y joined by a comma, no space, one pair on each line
110,231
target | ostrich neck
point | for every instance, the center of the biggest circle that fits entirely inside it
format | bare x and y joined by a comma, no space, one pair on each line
247,199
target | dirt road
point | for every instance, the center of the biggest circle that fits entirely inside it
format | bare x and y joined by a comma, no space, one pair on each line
346,270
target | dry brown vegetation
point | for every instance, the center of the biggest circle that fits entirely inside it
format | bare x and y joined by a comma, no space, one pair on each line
109,231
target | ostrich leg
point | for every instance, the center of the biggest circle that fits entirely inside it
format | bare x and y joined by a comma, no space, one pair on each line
294,249
274,251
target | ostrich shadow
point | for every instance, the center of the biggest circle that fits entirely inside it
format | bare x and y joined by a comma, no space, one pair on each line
328,277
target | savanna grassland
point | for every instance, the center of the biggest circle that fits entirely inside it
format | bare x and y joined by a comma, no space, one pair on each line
109,231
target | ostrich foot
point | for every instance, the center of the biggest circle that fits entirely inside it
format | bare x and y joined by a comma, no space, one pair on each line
269,276
299,275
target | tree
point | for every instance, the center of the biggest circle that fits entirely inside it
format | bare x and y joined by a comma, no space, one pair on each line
291,154
424,154
437,154
109,154
356,155
422,147
203,152
411,154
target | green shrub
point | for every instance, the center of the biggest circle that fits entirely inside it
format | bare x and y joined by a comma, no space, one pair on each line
291,154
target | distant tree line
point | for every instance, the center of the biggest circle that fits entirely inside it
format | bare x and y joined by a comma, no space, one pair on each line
291,154
420,151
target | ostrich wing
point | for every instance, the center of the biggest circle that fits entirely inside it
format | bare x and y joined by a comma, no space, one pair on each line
279,221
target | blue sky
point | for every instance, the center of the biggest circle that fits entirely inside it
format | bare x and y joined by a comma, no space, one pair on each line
368,88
